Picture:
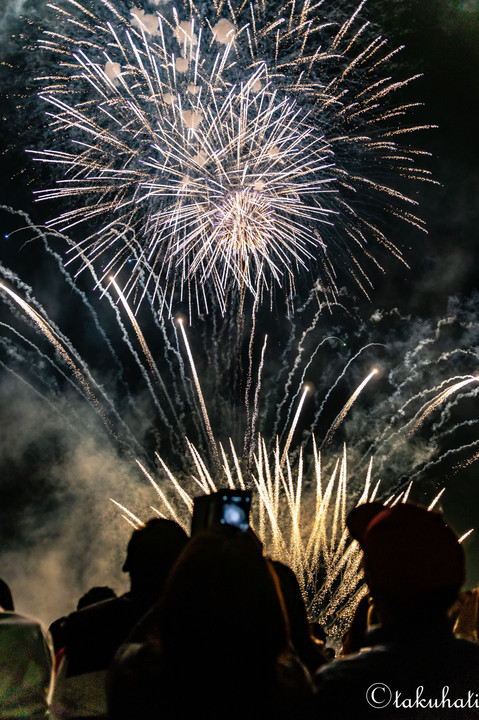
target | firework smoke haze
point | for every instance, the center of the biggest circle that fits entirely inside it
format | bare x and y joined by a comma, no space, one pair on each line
213,150
79,446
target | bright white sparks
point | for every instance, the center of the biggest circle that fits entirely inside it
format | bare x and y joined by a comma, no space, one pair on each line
214,154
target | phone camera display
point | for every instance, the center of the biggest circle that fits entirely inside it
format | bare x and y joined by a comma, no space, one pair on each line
234,514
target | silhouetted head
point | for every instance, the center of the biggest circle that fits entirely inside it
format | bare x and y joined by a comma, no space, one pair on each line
151,553
95,595
413,560
6,599
222,602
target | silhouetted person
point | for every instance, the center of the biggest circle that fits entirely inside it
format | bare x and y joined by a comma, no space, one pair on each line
414,667
216,645
26,663
311,651
93,634
6,599
94,595
91,597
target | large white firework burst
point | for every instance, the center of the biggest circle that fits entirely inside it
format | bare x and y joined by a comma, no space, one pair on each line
222,146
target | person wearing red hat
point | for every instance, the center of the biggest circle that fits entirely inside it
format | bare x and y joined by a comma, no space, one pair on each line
413,667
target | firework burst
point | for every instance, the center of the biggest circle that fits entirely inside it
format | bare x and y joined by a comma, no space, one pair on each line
222,154
302,494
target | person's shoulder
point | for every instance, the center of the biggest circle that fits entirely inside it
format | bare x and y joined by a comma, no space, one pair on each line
13,619
139,654
352,665
25,635
100,611
8,616
341,686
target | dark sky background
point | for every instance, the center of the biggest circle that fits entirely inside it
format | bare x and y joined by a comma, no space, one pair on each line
59,532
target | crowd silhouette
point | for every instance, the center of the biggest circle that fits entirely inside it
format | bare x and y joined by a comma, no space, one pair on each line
213,628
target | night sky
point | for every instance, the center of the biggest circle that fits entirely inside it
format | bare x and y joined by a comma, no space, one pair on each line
57,526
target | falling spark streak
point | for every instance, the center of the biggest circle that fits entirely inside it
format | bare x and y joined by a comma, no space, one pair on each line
250,434
466,535
49,333
308,555
234,161
387,435
436,499
316,545
136,520
340,417
160,493
47,330
339,377
293,425
146,350
204,411
433,404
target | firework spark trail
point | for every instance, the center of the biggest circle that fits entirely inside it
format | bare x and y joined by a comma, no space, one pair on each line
174,351
43,356
442,432
204,411
340,417
189,387
291,349
66,351
58,370
439,460
326,561
72,285
389,435
197,150
294,425
249,379
300,384
138,361
146,350
132,519
167,348
298,357
338,379
161,494
254,417
435,402
417,358
460,425
170,353
135,355
50,333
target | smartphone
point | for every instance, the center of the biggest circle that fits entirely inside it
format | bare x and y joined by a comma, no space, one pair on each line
227,507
